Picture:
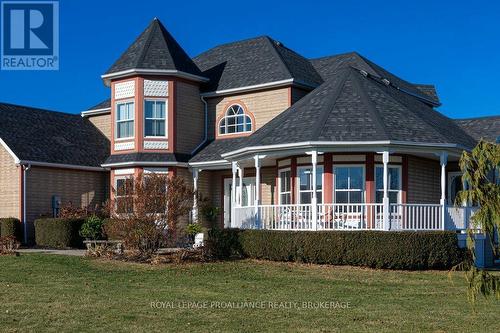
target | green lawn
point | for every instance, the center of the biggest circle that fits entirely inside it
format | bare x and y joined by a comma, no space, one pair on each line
56,293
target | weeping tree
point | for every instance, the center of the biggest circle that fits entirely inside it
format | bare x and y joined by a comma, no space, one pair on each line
481,175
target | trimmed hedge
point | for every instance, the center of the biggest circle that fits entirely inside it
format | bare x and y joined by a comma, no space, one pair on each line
377,249
58,233
11,226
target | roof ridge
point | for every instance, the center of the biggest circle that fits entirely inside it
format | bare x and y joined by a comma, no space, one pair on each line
321,121
37,109
477,118
147,44
366,99
425,120
282,61
334,55
232,43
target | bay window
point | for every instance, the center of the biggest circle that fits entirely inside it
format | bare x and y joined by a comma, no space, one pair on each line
394,184
306,184
125,120
155,118
349,184
124,189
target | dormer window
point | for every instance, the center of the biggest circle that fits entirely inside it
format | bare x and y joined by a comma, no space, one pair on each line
125,120
155,115
235,121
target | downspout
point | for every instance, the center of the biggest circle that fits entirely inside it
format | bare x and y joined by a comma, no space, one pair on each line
25,222
205,136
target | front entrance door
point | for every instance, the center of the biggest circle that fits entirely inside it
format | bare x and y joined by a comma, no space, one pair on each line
454,186
248,196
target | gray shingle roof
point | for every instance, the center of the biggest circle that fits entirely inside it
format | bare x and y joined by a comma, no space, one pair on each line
155,48
254,61
52,137
326,66
106,104
482,127
429,90
147,157
352,107
214,150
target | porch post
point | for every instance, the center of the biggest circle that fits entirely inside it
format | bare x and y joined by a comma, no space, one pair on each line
257,190
314,200
240,186
443,158
195,172
234,166
385,200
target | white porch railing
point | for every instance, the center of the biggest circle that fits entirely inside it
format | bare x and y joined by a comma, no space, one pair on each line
416,217
365,216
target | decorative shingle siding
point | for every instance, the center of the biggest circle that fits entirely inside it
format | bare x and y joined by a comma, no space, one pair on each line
190,117
424,184
103,123
9,186
264,105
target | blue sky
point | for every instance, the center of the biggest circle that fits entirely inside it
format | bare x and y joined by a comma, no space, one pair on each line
450,44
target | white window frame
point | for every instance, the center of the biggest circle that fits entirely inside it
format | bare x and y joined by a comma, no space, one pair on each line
400,180
349,189
164,119
225,118
129,101
280,171
298,191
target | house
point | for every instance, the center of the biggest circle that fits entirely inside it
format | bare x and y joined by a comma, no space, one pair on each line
276,140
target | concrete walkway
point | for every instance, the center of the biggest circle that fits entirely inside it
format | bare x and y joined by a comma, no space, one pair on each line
77,253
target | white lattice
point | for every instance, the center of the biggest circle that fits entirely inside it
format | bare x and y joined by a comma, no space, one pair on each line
155,88
125,89
124,145
155,145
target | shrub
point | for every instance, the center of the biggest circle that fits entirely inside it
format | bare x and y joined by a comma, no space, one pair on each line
376,249
8,245
58,233
10,227
92,228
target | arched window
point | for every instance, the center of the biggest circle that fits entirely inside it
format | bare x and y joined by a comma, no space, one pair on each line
235,121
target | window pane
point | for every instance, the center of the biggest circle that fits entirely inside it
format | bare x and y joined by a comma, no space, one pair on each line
393,197
285,199
355,197
160,110
394,178
341,197
319,178
341,177
356,177
305,179
148,109
379,178
305,197
125,129
379,196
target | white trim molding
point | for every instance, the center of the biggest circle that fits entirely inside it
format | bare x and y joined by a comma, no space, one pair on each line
138,163
95,112
61,166
11,153
137,71
274,84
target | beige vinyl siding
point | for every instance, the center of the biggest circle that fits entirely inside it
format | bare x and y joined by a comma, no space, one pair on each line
81,188
424,181
264,105
103,123
9,186
190,117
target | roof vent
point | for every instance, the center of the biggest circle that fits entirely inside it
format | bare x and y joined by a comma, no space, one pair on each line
279,43
386,82
364,73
